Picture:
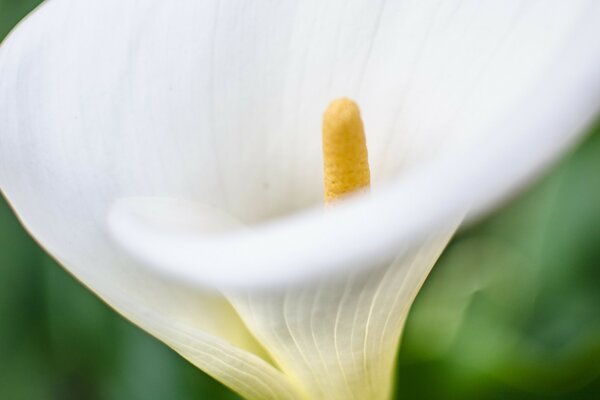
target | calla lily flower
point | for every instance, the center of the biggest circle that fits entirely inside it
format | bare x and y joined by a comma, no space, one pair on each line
168,155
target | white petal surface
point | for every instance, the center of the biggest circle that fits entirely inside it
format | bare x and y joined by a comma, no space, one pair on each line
339,337
463,102
220,103
62,164
336,338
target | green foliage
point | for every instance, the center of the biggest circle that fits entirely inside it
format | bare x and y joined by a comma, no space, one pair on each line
511,310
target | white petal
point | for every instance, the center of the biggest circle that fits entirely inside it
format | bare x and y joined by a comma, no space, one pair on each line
336,338
221,103
230,115
340,337
61,168
512,111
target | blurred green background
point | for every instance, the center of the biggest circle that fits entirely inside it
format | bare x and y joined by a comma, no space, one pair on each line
511,311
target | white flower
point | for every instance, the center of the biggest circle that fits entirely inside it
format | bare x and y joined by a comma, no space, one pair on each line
191,128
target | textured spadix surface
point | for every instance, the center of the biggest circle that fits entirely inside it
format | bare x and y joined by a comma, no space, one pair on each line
194,122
